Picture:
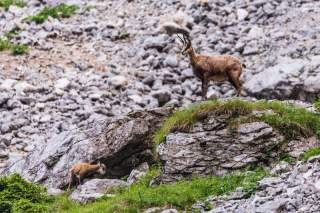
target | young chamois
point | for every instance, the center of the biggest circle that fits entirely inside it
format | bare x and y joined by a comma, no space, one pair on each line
82,170
213,68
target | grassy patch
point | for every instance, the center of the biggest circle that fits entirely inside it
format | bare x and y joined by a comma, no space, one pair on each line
16,49
17,195
291,121
317,105
180,195
60,11
310,153
7,3
287,158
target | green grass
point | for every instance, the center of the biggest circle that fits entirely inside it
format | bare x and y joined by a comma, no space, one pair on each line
16,49
287,158
11,34
317,105
310,153
60,11
17,195
180,195
7,3
19,49
291,121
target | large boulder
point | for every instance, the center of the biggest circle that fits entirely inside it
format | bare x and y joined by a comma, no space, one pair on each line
94,189
211,147
121,144
288,79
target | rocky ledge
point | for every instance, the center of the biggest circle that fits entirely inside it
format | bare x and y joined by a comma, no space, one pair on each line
224,137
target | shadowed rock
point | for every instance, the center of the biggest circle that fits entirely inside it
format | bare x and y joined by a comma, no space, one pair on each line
121,144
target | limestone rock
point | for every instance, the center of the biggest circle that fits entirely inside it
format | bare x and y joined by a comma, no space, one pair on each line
120,143
94,189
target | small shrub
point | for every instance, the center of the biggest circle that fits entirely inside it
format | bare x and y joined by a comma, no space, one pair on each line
60,11
18,195
19,49
310,153
7,3
5,44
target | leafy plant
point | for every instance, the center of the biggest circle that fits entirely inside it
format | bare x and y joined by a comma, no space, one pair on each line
19,49
7,3
60,11
17,195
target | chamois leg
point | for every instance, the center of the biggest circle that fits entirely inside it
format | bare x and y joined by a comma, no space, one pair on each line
204,88
235,81
70,181
79,179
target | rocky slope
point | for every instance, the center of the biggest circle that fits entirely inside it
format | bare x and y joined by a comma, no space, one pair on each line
213,145
84,73
294,191
82,69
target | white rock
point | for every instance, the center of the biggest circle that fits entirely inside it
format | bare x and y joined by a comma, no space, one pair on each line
15,10
62,83
94,189
136,98
23,86
255,32
55,192
45,118
118,81
242,14
7,84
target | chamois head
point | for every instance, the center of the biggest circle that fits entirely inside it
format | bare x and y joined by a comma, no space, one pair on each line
187,46
102,168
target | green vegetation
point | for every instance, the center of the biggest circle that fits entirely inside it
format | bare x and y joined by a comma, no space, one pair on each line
16,49
19,49
310,153
291,121
7,3
317,105
287,158
18,195
60,11
180,195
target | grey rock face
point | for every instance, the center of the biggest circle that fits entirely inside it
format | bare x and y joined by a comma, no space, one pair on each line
94,189
294,191
138,172
121,144
211,147
289,79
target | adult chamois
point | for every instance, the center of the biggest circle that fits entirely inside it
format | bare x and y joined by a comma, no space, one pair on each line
213,68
